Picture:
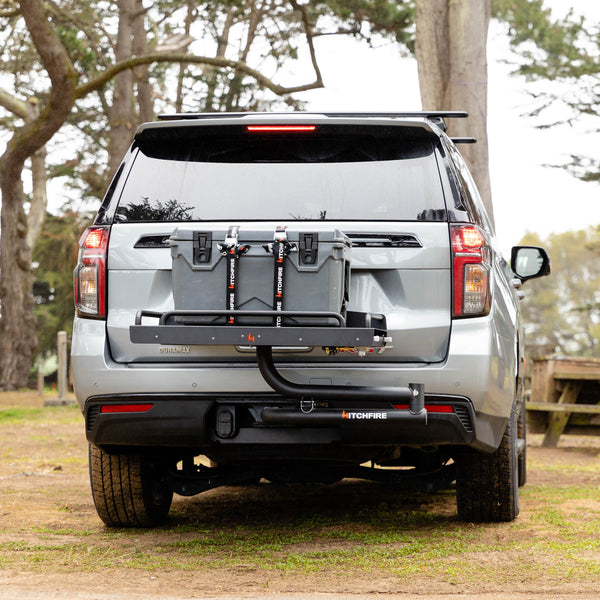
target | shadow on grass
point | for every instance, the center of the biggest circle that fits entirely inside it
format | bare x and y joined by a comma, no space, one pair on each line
348,502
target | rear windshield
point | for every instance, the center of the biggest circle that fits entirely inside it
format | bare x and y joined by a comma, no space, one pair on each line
226,173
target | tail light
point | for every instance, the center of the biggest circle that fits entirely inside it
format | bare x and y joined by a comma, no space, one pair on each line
90,273
125,408
471,271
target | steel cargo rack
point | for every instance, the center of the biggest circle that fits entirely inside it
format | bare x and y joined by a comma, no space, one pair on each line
358,331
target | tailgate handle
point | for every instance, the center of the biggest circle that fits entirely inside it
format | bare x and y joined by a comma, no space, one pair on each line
202,247
378,240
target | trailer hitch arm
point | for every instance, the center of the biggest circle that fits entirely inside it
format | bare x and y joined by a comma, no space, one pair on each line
413,394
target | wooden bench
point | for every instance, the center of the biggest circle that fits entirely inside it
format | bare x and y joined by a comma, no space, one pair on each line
565,398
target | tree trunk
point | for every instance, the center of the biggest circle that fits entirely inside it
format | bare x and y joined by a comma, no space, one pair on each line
122,115
212,103
39,176
17,324
234,94
39,197
450,47
140,46
189,19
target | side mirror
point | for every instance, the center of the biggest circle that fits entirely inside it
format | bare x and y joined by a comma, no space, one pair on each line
529,262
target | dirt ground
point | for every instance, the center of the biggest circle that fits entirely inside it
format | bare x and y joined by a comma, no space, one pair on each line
348,540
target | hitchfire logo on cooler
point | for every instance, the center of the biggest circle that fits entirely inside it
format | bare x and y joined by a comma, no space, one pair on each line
363,415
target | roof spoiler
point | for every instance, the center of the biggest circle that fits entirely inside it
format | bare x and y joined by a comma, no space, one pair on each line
435,116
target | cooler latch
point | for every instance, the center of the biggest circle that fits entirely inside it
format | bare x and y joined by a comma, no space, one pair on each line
309,248
202,247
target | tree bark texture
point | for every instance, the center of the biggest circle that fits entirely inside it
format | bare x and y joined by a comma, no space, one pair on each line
17,324
450,47
189,19
140,46
39,176
122,115
39,197
212,103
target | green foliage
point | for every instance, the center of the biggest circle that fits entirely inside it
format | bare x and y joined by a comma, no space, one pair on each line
549,49
79,50
564,51
364,17
55,256
563,310
585,168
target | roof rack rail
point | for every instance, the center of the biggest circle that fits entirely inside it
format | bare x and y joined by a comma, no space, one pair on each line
464,140
425,114
433,115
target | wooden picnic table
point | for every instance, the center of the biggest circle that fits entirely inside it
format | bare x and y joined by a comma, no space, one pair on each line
565,397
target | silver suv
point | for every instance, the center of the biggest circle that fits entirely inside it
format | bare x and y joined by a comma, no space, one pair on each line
298,297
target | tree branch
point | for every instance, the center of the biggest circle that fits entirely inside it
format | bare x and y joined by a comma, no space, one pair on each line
14,105
34,134
9,13
103,78
309,39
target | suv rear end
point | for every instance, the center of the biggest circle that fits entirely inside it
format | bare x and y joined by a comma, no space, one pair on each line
293,296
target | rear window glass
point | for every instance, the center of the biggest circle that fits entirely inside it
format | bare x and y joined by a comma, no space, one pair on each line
333,173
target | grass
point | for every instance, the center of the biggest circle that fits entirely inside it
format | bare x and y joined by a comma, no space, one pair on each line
58,415
387,542
451,558
583,469
19,415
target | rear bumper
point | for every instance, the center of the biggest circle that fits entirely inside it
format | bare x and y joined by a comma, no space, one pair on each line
475,370
204,423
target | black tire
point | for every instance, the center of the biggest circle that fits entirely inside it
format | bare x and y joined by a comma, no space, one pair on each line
487,489
127,490
522,435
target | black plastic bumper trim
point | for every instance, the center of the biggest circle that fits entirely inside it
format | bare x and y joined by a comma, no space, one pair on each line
182,421
172,423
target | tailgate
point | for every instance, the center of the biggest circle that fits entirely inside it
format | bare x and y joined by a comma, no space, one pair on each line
400,269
